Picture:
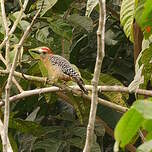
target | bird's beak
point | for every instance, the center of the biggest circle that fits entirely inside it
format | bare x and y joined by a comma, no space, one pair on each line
35,53
36,50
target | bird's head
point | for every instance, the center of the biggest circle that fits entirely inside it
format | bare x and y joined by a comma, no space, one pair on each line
42,51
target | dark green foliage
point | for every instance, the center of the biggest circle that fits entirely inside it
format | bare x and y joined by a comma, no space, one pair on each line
58,121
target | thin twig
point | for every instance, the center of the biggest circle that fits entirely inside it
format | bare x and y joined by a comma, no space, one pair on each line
8,33
100,56
17,85
9,81
15,24
14,80
29,77
5,22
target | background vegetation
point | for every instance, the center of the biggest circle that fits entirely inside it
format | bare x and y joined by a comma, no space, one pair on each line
57,122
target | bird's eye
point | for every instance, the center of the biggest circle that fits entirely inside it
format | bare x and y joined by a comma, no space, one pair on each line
44,53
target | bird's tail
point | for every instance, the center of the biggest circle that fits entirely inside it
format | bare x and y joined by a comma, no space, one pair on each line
81,85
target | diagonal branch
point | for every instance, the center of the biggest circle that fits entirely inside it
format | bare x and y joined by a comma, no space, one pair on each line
100,56
14,80
4,136
9,81
15,23
5,22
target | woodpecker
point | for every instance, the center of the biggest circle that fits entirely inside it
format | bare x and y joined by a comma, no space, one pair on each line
58,67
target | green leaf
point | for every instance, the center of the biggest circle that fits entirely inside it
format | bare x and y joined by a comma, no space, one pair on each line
41,65
144,107
145,61
43,35
82,21
80,132
127,14
25,126
143,69
13,143
61,28
145,147
43,69
147,125
144,16
61,6
118,98
48,4
128,126
91,4
48,144
77,142
32,116
95,147
149,136
12,54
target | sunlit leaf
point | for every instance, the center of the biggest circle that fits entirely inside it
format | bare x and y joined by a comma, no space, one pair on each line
26,126
43,35
90,6
48,144
127,14
32,116
61,28
144,107
147,125
48,4
144,16
128,126
82,21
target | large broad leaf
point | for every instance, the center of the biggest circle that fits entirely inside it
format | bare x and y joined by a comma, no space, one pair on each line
145,147
33,115
61,6
61,28
13,143
42,35
128,126
127,14
90,6
144,16
41,65
26,126
143,69
144,107
145,61
118,98
82,21
48,4
105,79
48,144
147,125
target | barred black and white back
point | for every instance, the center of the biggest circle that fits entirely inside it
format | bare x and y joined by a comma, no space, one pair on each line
67,69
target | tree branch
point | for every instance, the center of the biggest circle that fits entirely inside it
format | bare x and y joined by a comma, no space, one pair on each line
115,88
5,22
4,133
15,24
9,81
9,148
100,56
70,89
